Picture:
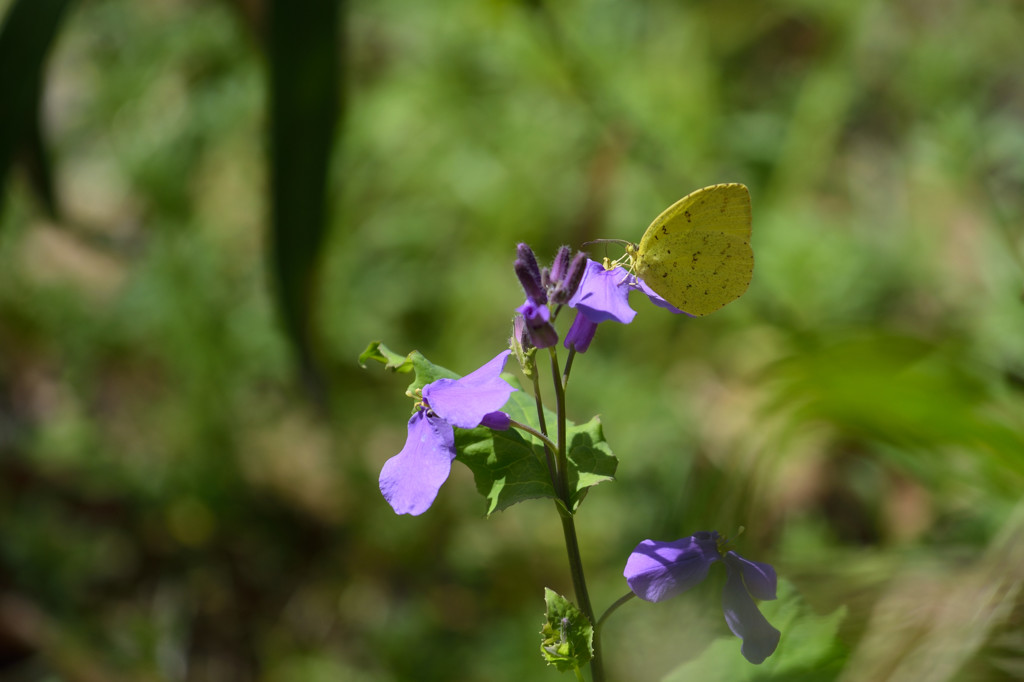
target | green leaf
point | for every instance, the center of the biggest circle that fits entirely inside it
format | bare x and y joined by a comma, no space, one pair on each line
507,468
426,371
27,34
567,637
590,459
304,54
809,650
510,467
381,353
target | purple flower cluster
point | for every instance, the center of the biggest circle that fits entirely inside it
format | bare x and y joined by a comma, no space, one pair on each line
411,479
599,293
657,571
545,287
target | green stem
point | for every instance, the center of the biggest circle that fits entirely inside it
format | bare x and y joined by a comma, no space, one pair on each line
539,400
533,432
549,447
572,545
609,611
563,455
579,585
568,367
600,624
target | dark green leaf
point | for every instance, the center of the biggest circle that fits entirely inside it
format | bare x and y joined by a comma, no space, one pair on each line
510,467
506,467
304,107
26,37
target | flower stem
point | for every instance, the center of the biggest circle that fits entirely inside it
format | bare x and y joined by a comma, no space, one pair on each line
563,455
609,611
540,402
579,585
549,447
600,624
572,545
568,367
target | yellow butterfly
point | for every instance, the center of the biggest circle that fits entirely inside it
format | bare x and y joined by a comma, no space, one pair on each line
696,254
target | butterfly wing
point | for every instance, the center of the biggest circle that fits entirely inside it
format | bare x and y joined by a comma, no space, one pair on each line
697,253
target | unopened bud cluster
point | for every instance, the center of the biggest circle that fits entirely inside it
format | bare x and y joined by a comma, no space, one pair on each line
550,286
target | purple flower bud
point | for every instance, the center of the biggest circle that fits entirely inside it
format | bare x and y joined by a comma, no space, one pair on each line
499,421
560,265
529,275
520,334
522,345
538,321
567,287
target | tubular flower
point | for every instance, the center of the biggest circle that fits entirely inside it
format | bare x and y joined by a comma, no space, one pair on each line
411,479
659,570
603,295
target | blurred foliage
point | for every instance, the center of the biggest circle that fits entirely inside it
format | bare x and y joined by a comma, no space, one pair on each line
174,507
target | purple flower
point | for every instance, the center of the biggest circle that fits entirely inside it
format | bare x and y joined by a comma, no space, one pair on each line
603,295
581,333
410,480
659,570
538,322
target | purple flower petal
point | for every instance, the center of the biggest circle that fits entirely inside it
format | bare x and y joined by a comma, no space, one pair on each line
657,300
603,294
580,334
759,578
759,637
659,570
464,402
499,421
410,480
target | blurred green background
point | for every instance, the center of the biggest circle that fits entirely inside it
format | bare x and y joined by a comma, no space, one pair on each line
210,208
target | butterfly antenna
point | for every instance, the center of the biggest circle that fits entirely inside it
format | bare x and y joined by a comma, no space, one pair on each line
621,242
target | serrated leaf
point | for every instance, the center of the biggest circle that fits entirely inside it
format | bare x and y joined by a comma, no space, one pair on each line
509,467
390,359
567,636
590,459
506,467
522,407
425,371
809,650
